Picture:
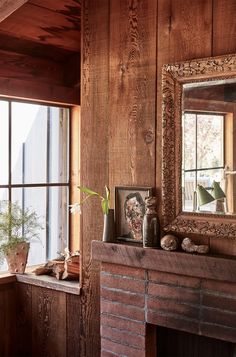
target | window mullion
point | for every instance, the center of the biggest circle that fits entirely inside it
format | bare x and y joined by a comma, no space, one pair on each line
48,189
9,149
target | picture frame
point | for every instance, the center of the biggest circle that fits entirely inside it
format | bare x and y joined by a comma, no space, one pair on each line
129,212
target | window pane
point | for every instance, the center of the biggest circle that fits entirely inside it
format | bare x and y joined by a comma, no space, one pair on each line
58,145
35,199
189,141
39,143
51,205
189,186
57,220
3,194
206,177
210,141
4,142
29,143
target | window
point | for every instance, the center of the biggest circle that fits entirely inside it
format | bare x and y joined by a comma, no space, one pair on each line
203,152
34,157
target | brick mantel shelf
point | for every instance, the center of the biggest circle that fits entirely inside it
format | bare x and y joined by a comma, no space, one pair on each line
141,288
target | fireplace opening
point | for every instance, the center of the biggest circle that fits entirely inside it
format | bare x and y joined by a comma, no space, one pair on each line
174,343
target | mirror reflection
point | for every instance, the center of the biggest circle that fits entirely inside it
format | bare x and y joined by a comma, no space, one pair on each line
209,147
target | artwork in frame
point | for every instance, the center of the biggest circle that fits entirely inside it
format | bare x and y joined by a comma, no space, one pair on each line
129,212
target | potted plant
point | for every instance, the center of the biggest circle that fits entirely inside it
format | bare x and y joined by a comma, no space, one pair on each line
17,228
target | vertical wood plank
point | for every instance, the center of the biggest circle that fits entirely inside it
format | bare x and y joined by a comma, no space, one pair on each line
7,320
94,159
224,41
24,320
73,325
132,88
224,27
48,322
184,32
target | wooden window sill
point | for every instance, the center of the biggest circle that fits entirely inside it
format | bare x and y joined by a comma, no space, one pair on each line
7,278
44,281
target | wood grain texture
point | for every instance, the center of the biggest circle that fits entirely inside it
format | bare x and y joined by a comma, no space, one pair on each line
7,7
20,66
48,322
6,278
74,325
44,92
60,6
43,26
224,41
224,27
24,320
184,30
35,49
132,87
200,266
182,34
7,320
94,159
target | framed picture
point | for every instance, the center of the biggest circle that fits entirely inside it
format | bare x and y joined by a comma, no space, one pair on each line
129,212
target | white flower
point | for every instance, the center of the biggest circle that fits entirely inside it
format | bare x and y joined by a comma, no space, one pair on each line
75,208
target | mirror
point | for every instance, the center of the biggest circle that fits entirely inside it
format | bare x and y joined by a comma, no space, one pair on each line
209,147
199,146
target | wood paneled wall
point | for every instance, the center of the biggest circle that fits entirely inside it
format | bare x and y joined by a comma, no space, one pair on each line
38,322
47,322
125,44
7,319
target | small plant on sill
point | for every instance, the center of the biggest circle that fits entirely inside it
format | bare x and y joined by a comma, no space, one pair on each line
105,201
17,228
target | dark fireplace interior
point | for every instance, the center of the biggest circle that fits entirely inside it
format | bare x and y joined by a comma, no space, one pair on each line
173,343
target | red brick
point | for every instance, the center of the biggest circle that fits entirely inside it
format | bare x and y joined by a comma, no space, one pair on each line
178,294
108,354
218,332
174,322
123,337
221,287
215,316
133,285
121,350
173,279
117,309
123,270
123,297
220,302
172,307
123,324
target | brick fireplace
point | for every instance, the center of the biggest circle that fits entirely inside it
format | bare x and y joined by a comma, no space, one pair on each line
145,288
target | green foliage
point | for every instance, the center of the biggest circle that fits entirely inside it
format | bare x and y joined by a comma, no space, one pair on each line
16,226
105,201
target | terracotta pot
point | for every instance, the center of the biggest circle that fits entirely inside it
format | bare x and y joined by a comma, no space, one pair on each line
17,258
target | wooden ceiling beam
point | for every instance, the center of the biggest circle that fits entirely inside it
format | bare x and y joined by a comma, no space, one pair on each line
7,7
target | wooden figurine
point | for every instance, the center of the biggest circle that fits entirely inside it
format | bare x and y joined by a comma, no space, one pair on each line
151,225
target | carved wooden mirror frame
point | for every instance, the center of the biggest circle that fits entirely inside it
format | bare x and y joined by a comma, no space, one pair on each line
173,78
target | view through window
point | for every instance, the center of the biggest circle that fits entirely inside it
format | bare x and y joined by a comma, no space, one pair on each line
34,157
203,153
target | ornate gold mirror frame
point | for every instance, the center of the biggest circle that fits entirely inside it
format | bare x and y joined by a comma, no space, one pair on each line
173,78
